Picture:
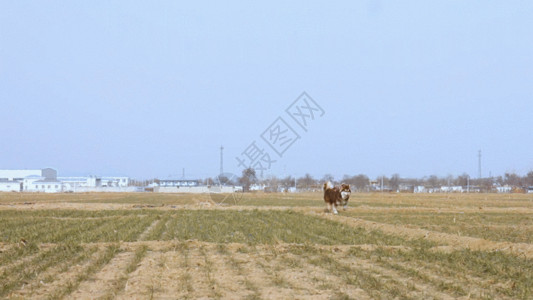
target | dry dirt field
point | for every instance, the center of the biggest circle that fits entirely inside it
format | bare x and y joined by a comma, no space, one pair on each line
266,246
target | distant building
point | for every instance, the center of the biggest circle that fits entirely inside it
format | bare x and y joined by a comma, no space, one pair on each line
10,186
115,181
178,182
46,185
406,188
19,175
504,189
420,189
84,182
451,189
257,187
46,181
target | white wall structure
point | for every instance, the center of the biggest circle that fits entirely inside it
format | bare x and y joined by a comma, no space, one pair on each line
257,187
81,183
504,189
420,189
115,181
451,189
43,180
202,189
86,183
105,189
179,182
28,183
10,186
45,186
46,181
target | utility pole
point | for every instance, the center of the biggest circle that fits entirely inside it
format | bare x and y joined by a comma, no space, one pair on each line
479,164
221,159
382,187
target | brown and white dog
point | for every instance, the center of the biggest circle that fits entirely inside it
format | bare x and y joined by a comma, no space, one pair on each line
336,195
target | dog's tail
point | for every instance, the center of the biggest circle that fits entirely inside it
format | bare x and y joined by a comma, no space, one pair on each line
328,185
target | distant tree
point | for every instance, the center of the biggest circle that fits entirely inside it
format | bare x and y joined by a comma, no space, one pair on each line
347,179
287,182
462,180
327,177
499,180
385,180
486,184
248,178
433,181
360,182
412,181
357,182
306,182
449,180
529,178
512,179
394,182
272,183
225,180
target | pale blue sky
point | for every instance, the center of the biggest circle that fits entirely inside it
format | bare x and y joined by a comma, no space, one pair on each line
145,89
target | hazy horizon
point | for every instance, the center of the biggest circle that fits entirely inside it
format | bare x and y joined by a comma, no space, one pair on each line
147,89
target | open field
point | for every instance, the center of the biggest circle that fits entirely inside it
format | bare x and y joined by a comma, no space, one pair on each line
385,246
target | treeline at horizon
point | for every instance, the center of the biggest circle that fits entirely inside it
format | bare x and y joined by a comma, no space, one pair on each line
362,182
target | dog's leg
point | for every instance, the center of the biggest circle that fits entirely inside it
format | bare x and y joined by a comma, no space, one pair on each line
328,207
335,209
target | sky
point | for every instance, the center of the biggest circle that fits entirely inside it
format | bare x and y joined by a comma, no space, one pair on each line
153,88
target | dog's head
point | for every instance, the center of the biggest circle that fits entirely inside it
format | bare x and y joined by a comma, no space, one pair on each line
345,193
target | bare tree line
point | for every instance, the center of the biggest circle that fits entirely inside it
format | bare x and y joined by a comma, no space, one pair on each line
363,183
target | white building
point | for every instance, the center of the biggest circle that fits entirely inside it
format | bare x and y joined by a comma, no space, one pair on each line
93,183
504,189
115,181
451,189
179,182
44,180
46,185
10,186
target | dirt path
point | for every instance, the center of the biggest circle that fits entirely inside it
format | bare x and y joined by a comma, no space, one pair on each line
210,206
100,284
147,231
